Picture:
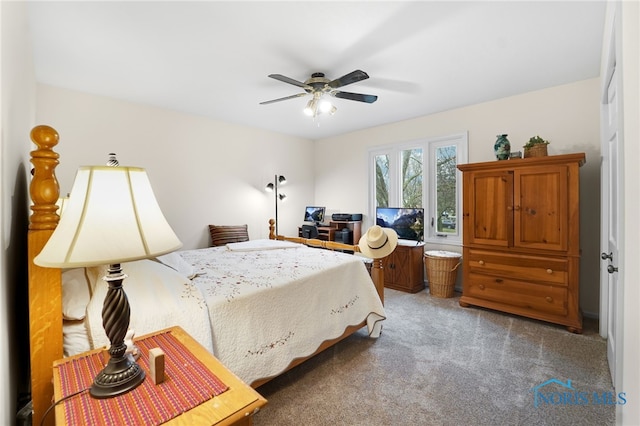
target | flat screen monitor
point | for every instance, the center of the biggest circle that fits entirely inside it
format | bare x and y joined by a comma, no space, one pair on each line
314,214
407,222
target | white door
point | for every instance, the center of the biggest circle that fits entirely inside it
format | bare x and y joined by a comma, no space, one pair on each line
611,292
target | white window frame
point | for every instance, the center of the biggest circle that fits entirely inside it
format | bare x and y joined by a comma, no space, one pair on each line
428,146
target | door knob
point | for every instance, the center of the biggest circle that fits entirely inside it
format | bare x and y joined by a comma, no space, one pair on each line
606,256
611,269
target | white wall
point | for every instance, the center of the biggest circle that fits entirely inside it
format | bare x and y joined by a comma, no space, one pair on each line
17,109
205,171
202,171
566,115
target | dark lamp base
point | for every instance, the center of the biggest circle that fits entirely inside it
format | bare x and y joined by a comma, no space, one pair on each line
121,373
118,377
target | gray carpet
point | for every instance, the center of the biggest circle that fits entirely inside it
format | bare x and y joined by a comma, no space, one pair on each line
439,364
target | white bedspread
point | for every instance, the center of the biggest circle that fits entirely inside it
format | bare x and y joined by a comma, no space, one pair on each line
256,310
160,297
270,307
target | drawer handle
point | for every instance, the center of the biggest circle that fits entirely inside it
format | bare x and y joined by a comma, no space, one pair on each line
481,262
549,299
481,286
499,280
549,271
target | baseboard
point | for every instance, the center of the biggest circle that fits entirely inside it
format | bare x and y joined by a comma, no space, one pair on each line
591,315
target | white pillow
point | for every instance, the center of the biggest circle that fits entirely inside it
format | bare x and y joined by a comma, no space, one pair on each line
174,261
76,338
75,294
159,297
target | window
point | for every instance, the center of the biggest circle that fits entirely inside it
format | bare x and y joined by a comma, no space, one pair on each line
422,173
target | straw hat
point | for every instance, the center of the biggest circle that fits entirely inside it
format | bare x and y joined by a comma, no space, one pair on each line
378,242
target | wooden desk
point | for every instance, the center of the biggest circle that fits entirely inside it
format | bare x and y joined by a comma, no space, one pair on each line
328,233
235,406
325,233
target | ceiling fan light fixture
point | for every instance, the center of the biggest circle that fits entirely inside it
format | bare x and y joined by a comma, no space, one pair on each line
325,106
312,108
318,86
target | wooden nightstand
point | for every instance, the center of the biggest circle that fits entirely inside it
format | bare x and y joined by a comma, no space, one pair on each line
235,406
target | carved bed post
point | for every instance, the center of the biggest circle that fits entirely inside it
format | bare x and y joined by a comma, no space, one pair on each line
272,228
377,276
45,292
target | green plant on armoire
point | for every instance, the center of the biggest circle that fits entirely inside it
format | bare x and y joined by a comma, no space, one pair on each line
536,147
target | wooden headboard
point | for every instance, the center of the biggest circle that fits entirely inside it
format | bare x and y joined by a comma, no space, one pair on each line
45,284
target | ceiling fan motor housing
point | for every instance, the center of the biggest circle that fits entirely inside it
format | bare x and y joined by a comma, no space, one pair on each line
318,82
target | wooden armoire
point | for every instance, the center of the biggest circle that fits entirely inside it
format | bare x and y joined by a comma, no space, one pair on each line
521,237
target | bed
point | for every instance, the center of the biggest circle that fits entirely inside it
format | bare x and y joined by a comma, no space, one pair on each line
259,324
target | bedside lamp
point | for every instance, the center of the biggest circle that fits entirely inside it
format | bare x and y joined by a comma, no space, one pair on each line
111,217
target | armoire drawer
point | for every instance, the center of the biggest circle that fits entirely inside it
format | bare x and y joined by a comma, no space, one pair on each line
538,297
535,268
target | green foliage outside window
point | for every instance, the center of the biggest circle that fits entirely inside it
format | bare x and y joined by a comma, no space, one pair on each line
446,161
424,176
382,180
412,174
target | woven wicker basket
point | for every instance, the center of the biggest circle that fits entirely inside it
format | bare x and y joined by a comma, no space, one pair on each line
538,150
442,271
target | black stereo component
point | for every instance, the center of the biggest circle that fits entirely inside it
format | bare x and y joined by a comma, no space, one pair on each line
348,217
309,231
344,236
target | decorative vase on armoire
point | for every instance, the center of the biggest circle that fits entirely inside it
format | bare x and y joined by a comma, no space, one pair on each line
502,147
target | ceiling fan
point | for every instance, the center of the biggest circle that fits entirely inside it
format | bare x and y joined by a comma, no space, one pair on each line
318,86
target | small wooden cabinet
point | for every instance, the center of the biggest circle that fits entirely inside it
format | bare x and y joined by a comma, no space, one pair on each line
404,268
521,237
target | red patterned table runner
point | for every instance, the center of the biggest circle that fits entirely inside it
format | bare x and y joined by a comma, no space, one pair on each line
188,383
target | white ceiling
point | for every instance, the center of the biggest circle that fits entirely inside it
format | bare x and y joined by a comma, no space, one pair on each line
212,58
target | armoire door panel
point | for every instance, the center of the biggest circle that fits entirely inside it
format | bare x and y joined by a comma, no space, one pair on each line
491,194
540,213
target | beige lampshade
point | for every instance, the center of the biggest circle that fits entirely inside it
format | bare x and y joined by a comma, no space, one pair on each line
61,203
111,216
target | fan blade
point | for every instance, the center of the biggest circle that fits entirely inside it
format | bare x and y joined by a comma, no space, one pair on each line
286,79
352,77
355,96
283,99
